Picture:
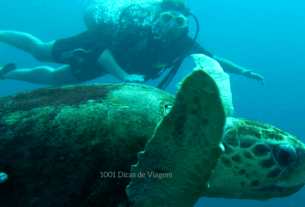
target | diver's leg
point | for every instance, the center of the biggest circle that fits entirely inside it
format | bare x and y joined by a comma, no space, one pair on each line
43,75
28,43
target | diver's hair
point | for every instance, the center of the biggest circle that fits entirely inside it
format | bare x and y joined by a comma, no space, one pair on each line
179,5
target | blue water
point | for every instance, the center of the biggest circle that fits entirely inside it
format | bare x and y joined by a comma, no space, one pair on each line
266,36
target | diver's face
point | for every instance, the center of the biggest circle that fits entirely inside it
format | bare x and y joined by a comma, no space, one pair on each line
173,23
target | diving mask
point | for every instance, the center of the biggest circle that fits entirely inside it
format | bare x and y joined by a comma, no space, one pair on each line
174,16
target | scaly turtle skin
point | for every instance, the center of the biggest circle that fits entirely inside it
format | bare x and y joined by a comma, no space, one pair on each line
55,142
264,162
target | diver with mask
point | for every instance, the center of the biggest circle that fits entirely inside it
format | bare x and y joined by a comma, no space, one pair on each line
139,45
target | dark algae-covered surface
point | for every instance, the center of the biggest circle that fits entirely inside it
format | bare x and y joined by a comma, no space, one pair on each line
55,142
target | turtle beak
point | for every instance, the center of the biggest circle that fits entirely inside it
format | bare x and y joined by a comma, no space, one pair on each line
294,175
292,178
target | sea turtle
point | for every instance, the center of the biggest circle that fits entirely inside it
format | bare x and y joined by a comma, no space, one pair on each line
78,145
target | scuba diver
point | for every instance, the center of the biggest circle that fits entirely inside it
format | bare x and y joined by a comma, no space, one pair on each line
135,46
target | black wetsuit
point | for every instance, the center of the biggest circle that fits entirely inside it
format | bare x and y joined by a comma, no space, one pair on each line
134,52
92,43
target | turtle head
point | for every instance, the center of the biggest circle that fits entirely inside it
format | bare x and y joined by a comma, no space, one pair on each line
260,162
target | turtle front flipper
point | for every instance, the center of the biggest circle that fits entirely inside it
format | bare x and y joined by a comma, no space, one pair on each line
178,160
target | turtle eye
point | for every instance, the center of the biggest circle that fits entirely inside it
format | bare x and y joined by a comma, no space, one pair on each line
284,154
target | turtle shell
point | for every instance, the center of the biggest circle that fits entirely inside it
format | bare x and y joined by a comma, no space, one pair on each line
74,145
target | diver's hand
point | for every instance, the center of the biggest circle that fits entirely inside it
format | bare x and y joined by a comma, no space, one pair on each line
250,74
134,78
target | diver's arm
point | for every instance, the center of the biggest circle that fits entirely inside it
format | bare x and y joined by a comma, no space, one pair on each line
226,65
107,60
230,67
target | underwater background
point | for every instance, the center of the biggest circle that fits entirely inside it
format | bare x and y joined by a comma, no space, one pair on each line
266,36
